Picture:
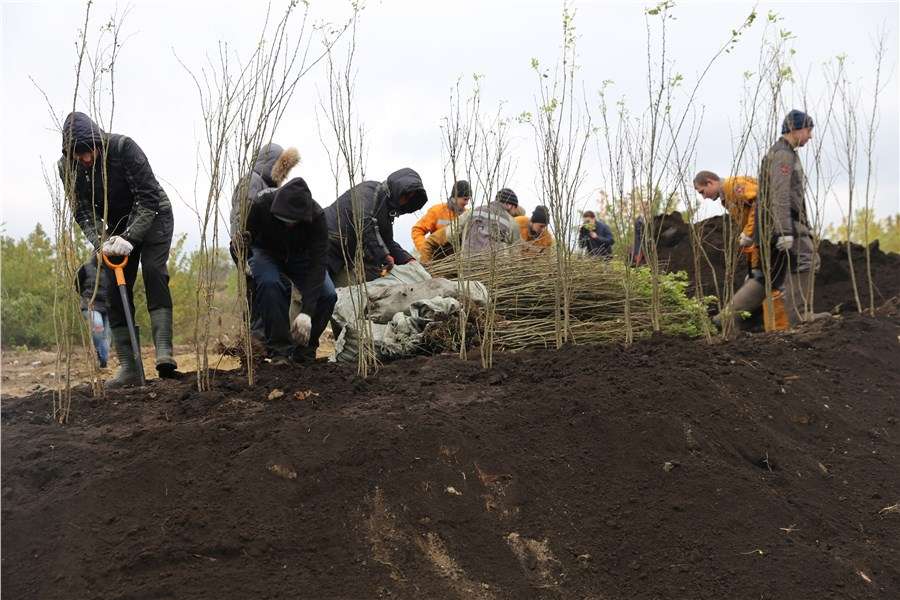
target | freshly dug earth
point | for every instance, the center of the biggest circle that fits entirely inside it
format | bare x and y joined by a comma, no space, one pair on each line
765,467
834,288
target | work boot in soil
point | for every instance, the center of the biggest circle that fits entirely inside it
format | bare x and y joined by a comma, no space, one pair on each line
129,372
304,355
161,323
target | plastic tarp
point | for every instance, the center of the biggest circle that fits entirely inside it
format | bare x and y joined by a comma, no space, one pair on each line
397,308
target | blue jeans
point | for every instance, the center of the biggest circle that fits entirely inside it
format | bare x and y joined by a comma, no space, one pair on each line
99,334
267,272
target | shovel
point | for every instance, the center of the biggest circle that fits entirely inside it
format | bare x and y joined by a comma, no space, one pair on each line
118,269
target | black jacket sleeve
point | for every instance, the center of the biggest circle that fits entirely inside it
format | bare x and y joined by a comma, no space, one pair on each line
583,237
311,286
81,207
386,229
373,241
145,191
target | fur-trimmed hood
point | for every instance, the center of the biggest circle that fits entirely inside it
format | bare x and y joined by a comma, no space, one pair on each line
273,163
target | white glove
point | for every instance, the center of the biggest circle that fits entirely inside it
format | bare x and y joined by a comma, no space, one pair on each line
785,243
117,246
745,240
300,329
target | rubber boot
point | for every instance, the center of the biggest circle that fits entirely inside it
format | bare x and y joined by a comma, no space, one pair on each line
161,323
129,372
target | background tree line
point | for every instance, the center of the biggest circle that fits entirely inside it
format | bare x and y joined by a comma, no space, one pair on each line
28,284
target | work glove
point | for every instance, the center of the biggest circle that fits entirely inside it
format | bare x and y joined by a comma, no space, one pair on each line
117,246
745,241
784,242
300,329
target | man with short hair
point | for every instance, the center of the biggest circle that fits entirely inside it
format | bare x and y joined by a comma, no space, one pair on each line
289,238
535,232
114,188
782,225
738,196
441,215
379,204
595,236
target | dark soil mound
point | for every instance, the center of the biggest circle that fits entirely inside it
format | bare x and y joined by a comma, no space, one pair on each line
760,468
833,285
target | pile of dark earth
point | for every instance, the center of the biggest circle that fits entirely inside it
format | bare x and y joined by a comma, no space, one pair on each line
763,467
833,289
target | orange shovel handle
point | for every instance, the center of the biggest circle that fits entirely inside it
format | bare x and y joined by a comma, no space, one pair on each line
118,268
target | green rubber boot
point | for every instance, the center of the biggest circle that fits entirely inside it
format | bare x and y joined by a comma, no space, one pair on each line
129,372
161,323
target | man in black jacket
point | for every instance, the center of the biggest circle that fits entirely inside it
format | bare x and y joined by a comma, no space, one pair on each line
289,237
113,188
379,204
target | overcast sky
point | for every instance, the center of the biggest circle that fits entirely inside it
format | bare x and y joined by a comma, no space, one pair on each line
409,55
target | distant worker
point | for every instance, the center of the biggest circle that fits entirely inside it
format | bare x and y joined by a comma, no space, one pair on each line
288,237
782,224
488,227
441,215
271,167
379,204
95,306
114,189
595,236
535,232
738,196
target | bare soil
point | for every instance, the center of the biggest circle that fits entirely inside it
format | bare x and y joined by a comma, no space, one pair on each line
764,467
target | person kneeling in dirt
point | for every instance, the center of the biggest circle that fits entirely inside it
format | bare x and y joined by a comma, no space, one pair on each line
270,169
113,187
535,232
94,306
289,237
738,197
782,229
441,215
595,236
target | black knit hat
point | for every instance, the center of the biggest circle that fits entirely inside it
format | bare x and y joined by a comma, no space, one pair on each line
507,196
540,215
461,189
796,119
294,202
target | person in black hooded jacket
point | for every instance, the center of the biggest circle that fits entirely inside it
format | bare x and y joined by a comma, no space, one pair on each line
289,238
123,211
271,166
381,203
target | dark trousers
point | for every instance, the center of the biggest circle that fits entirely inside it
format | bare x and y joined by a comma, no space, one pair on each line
153,255
257,329
267,272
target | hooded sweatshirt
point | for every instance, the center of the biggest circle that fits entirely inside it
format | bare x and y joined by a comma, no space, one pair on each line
127,183
306,238
379,205
270,169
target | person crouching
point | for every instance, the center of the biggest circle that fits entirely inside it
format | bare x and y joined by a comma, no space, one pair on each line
289,236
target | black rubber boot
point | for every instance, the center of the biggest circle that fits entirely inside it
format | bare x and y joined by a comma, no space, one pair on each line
161,323
129,372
